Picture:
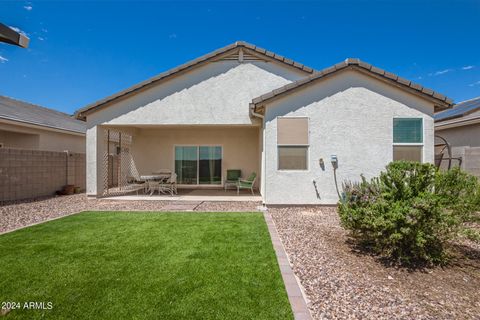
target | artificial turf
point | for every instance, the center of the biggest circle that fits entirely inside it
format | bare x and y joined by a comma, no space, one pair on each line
125,265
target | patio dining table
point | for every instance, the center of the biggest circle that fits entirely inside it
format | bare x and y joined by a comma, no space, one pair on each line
155,177
159,178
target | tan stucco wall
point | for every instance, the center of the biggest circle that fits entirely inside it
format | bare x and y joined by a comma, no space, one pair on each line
36,138
462,136
19,140
153,149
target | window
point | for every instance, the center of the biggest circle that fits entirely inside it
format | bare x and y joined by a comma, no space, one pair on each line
198,164
292,143
408,139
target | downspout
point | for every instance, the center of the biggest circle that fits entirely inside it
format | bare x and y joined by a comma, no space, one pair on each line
262,117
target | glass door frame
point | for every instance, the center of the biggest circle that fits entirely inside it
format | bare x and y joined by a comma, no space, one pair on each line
198,184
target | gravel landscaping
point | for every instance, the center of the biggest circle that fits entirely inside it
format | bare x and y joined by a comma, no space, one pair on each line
342,282
16,214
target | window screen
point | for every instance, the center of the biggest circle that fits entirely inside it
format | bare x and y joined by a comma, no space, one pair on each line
408,153
407,130
292,131
292,157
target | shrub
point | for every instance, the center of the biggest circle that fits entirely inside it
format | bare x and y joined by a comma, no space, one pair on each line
410,211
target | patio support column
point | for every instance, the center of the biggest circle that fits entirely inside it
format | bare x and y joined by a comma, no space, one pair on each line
95,153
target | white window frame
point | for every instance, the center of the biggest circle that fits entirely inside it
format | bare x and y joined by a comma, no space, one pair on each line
411,144
294,145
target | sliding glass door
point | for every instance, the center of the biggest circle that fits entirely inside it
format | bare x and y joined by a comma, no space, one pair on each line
210,165
186,165
198,165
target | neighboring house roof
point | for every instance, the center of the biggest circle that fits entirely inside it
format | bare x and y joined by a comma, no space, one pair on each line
441,101
24,112
8,35
459,110
463,113
249,48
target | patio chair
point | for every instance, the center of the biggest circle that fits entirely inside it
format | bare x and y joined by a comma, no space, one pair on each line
169,185
173,183
232,178
151,186
247,184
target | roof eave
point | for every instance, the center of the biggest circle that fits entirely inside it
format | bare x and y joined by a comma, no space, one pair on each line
441,102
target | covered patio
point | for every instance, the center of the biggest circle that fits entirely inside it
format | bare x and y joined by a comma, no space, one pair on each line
196,159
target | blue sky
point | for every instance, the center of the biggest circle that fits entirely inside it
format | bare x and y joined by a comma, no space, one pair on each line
83,51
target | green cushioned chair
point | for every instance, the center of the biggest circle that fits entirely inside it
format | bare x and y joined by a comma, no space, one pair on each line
232,178
247,184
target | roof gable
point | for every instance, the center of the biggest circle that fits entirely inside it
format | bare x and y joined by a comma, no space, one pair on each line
441,101
240,50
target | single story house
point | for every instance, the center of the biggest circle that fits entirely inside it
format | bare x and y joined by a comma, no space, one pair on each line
302,131
27,126
460,127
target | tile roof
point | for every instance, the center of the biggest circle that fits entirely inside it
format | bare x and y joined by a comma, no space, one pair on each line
459,110
16,110
239,44
357,64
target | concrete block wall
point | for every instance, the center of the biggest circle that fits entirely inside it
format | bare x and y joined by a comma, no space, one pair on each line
470,159
28,174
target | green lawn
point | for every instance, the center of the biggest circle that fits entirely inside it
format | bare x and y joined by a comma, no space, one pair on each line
112,265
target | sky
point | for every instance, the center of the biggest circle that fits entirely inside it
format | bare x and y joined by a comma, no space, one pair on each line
81,52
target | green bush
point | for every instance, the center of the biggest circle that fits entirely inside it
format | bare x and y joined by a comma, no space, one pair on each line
410,211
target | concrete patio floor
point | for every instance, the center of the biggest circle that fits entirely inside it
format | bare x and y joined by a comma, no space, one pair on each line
195,195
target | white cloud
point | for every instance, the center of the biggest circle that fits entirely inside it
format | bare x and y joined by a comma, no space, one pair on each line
3,59
28,8
468,67
172,36
474,84
438,73
41,38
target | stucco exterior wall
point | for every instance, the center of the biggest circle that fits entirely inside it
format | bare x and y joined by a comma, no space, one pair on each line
216,94
462,135
350,116
35,138
153,149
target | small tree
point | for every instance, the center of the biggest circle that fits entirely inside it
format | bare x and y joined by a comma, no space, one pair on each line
410,211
